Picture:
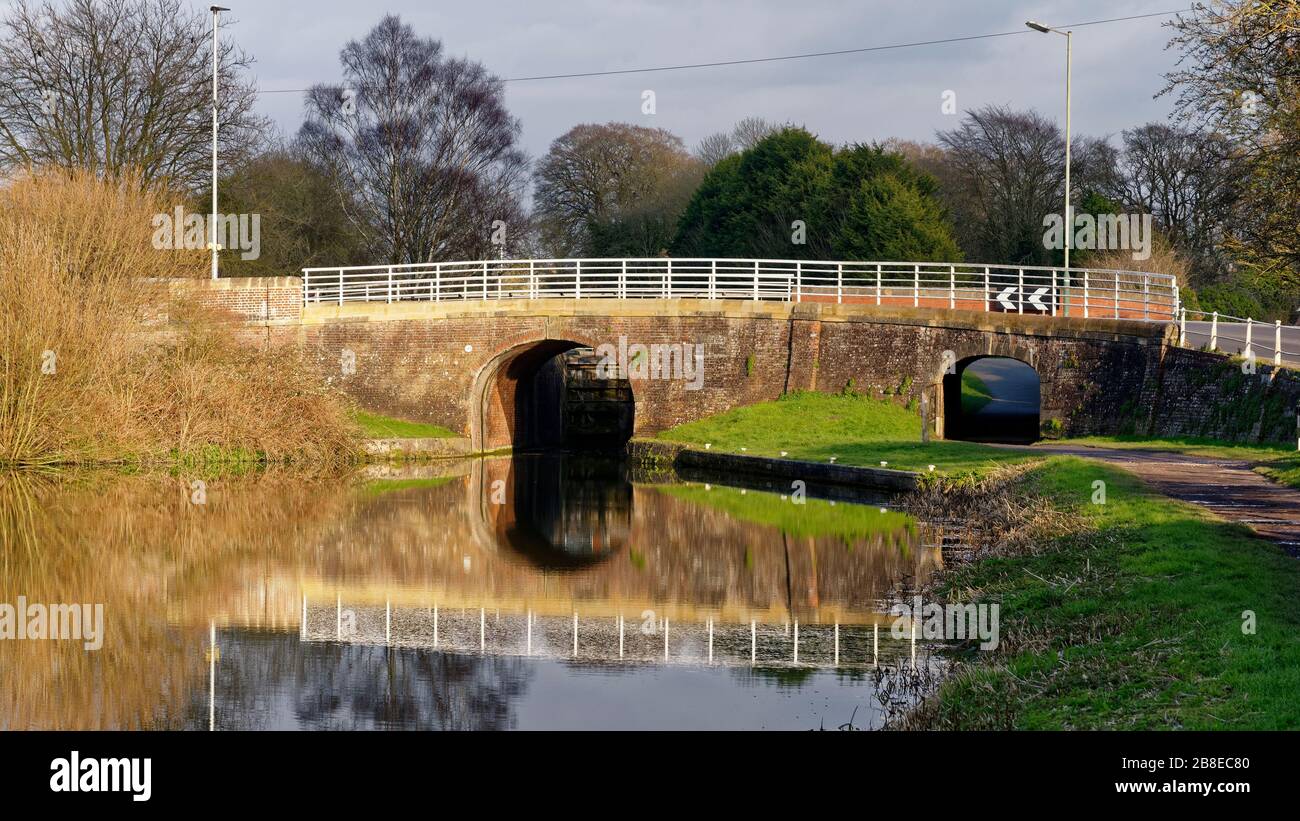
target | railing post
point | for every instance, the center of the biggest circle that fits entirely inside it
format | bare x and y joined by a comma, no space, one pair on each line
1214,331
485,275
1250,327
306,278
952,287
1020,292
1146,296
1277,342
577,280
340,286
1054,293
437,283
713,279
1116,281
987,289
1085,293
1182,327
390,285
839,283
622,281
916,286
878,276
532,279
668,280
756,280
798,281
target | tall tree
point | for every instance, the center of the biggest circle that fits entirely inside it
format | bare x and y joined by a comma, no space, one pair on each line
422,145
793,196
1188,180
1006,172
612,189
302,221
120,86
1239,75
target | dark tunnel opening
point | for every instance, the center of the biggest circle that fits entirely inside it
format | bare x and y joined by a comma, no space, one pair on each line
992,399
561,399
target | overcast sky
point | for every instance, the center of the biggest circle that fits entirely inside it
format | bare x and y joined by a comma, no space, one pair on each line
1118,67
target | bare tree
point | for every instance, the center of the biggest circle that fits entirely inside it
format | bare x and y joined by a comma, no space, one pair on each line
1004,171
1188,180
422,144
715,148
118,85
597,174
743,136
1238,75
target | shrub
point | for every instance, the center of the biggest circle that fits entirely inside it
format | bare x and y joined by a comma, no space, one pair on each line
90,371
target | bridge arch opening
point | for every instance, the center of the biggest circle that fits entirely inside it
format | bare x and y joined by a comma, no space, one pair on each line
557,511
550,394
992,399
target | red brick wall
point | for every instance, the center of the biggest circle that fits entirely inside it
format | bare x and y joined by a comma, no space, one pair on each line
274,300
419,368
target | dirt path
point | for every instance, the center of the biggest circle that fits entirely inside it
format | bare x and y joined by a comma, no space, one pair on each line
1226,486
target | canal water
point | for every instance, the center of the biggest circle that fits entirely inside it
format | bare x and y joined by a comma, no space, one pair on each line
535,592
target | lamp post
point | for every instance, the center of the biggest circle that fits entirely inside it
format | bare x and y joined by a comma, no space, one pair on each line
1069,223
216,14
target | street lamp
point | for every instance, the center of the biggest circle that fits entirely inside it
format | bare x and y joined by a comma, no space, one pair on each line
216,14
1069,41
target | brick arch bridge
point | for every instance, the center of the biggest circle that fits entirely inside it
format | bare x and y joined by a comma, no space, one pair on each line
479,371
467,345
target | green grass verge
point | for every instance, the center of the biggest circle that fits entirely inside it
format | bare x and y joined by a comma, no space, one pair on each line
376,426
1281,463
812,517
1137,623
1283,471
854,429
1193,446
975,394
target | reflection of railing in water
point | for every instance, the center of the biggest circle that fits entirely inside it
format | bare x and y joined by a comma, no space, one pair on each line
641,638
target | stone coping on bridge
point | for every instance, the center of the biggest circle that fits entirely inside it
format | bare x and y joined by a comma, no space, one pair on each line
680,455
328,313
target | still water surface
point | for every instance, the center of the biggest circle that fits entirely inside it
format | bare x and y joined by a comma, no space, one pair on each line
530,593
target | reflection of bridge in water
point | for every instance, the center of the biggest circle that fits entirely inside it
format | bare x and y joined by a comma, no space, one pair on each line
646,637
537,556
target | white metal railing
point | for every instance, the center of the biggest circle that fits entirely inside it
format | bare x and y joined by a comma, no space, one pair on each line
1078,292
1244,336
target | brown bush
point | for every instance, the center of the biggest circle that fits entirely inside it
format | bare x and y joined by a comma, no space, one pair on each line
83,378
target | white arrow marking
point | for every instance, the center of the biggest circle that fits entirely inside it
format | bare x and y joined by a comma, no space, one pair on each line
1034,300
1002,298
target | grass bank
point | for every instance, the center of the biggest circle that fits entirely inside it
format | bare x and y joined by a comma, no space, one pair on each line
856,430
1132,621
376,426
975,394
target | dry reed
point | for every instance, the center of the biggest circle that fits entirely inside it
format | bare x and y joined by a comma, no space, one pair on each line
86,375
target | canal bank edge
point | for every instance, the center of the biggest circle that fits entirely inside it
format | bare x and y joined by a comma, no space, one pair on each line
429,447
676,455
